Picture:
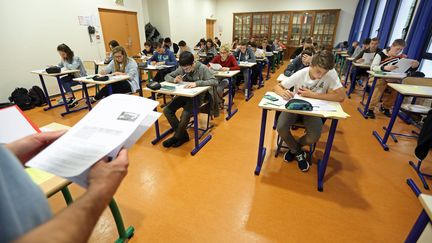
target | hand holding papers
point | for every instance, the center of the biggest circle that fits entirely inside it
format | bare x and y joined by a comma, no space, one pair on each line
117,121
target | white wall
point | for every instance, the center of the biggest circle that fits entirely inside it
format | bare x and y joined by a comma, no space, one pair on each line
226,8
159,16
31,30
188,19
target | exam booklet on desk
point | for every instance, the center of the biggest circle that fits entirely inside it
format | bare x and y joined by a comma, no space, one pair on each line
116,122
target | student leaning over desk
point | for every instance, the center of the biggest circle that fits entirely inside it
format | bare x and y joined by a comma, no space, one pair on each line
195,74
245,54
319,81
385,61
69,61
162,56
120,65
228,63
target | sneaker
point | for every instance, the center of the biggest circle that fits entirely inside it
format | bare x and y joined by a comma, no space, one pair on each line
181,141
60,101
386,112
92,99
303,164
72,102
360,82
370,114
169,142
288,156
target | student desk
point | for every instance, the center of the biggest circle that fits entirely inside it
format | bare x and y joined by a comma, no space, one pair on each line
344,56
402,90
266,106
63,72
229,75
51,184
261,62
418,231
347,74
99,64
89,80
150,68
376,77
271,62
249,66
194,95
354,74
277,60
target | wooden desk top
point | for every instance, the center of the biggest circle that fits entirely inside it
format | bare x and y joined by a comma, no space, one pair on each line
100,63
112,79
426,202
387,75
345,55
350,59
338,114
180,91
49,183
412,90
226,74
63,72
247,64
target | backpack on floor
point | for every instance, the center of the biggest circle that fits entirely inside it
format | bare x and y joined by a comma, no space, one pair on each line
21,98
37,96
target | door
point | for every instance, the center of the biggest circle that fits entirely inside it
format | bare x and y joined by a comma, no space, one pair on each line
121,26
210,28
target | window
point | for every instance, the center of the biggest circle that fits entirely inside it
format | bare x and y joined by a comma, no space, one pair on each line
402,21
363,18
377,18
426,63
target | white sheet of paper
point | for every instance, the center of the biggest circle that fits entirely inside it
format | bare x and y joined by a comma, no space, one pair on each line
403,65
319,105
148,121
215,66
14,125
368,58
107,127
281,77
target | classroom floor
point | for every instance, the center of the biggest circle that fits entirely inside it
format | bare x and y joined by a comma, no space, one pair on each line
214,196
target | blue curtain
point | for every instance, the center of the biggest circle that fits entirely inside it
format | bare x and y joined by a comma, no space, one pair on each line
369,18
356,21
387,21
420,31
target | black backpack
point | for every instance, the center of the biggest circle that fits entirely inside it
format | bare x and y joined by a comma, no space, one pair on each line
37,96
21,98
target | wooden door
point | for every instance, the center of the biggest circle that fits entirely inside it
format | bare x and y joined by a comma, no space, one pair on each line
210,28
121,26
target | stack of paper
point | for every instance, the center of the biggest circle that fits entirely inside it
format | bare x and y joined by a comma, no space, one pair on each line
116,122
14,125
403,65
368,58
215,66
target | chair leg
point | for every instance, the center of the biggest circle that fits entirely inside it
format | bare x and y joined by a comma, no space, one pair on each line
278,146
420,174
